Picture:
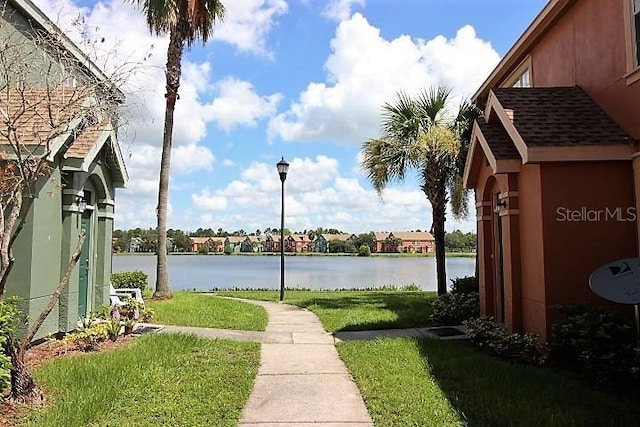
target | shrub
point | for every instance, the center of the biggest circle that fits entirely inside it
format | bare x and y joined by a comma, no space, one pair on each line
595,341
411,288
102,312
130,279
112,327
228,250
486,334
364,250
10,315
130,309
453,309
464,285
146,315
203,250
88,339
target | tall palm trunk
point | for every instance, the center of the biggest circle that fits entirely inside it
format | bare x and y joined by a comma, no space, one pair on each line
174,58
439,216
436,191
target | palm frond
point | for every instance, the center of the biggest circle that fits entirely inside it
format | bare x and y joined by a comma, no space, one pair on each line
432,104
399,120
203,15
383,162
463,125
194,19
459,198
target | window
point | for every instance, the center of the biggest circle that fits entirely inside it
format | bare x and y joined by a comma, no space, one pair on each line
524,80
521,75
69,81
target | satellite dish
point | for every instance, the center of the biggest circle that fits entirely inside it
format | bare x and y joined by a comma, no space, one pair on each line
618,281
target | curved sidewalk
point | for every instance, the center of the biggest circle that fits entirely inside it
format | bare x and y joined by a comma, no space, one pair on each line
301,380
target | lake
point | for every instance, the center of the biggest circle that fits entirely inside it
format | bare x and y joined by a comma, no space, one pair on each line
316,272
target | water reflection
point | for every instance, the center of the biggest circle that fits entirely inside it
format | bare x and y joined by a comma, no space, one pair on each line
315,272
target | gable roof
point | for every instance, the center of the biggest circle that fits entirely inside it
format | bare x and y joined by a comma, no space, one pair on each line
412,235
544,124
199,240
301,238
559,116
342,236
500,145
236,239
54,121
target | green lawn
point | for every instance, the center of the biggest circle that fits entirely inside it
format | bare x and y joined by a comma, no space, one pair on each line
159,380
355,310
180,380
408,382
207,311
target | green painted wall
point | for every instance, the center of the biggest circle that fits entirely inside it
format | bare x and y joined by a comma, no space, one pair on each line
37,252
16,33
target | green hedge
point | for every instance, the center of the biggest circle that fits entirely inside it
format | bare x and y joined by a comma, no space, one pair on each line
130,279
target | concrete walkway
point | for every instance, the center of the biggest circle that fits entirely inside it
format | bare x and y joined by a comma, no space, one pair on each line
301,380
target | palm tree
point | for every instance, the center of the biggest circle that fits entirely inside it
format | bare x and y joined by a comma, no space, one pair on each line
186,21
417,133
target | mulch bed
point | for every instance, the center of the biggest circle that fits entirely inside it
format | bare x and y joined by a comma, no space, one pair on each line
39,355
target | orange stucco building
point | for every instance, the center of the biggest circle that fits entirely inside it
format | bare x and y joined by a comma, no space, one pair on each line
555,163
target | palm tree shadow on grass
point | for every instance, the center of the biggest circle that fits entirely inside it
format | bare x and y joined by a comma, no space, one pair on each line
489,392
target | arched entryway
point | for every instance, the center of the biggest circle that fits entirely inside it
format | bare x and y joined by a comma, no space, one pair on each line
499,250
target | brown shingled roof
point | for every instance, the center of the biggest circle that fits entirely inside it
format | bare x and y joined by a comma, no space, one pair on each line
39,114
559,116
499,140
84,141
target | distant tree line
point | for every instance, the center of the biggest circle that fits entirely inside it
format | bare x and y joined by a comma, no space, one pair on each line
178,240
457,241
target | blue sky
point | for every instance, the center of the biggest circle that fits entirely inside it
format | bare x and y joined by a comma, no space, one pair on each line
303,79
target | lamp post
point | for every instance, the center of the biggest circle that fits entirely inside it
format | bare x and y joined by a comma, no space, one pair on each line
283,168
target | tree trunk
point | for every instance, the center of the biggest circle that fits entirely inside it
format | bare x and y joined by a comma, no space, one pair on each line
23,388
436,191
439,217
174,58
9,236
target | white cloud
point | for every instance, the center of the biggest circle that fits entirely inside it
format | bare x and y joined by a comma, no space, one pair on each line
248,23
207,201
365,71
340,10
199,75
238,104
316,196
191,158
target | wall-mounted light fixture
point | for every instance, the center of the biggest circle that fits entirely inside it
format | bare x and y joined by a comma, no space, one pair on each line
500,205
81,202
